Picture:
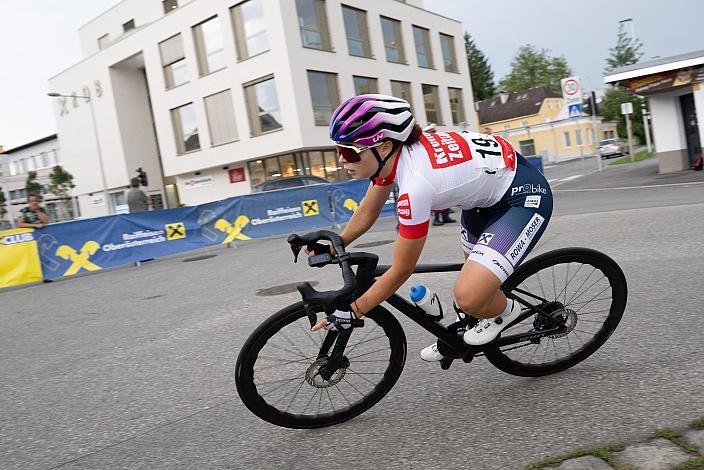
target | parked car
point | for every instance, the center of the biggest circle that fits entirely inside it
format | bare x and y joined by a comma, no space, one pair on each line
288,182
612,148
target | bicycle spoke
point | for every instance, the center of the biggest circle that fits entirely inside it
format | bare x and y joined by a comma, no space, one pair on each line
310,401
269,392
349,369
343,395
330,398
554,287
295,395
366,354
597,295
291,342
355,388
581,285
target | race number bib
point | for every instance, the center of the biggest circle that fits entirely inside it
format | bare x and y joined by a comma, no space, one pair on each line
491,151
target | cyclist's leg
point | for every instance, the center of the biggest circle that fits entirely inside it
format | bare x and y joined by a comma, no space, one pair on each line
472,223
512,231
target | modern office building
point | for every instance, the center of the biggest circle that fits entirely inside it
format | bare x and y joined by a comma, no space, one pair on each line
211,97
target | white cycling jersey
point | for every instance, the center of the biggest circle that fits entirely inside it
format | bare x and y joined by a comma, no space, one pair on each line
449,169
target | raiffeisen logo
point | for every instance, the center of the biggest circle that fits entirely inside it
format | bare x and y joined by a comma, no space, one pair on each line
17,238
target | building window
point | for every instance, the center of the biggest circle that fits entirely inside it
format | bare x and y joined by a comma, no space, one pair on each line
313,24
324,95
393,42
174,61
263,106
527,147
524,123
325,165
221,118
357,32
402,90
103,41
169,5
421,37
129,26
250,29
590,136
185,129
209,47
447,44
507,127
566,136
365,85
456,105
578,136
432,104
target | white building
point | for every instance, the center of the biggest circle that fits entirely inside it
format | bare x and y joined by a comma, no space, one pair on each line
212,97
40,156
675,92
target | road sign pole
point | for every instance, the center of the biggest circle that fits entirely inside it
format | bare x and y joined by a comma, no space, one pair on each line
646,128
630,137
595,136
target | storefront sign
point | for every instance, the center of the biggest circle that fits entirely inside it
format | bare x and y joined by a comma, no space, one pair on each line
666,80
199,182
97,200
237,175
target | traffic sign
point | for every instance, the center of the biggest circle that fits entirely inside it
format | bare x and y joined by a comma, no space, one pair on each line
571,90
575,110
627,108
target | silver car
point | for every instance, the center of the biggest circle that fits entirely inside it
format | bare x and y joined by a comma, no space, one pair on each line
611,148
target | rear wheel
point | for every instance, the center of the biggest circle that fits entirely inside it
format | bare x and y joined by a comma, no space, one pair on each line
277,369
582,289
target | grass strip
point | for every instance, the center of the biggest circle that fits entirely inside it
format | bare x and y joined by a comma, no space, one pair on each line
695,463
675,436
605,453
697,423
639,156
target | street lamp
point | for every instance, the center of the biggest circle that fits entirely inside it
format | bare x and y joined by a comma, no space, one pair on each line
97,142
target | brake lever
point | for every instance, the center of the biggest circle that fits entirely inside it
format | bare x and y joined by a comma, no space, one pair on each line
296,251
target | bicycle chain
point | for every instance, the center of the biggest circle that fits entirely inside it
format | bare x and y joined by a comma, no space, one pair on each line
509,349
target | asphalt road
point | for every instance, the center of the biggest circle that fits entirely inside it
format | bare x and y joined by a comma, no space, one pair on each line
133,367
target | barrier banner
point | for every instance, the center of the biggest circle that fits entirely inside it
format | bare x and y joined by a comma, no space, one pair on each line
94,244
347,196
265,214
19,261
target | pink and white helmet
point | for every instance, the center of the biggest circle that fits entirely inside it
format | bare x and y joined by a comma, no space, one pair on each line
368,119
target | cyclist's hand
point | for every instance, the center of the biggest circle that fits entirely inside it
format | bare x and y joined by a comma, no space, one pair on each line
320,249
339,320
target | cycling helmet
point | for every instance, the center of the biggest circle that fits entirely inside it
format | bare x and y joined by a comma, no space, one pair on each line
368,119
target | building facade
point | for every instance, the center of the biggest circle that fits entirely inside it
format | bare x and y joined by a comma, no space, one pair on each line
674,89
535,121
211,97
40,156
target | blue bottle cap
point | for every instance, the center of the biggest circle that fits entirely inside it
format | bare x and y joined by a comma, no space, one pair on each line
418,292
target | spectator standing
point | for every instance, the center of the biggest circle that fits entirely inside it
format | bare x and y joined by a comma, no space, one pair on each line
137,199
32,216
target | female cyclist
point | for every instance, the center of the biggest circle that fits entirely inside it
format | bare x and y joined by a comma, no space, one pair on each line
506,205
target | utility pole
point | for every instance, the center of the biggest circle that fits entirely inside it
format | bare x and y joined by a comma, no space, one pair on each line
627,110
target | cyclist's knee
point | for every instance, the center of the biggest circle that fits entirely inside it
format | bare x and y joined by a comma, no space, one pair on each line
472,301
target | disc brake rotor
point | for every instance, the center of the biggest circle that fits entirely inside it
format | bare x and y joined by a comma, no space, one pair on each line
313,374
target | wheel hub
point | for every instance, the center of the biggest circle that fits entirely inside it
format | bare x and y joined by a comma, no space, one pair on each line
559,312
314,378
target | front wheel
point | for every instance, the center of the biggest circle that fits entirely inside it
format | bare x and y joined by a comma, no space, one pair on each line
277,370
580,289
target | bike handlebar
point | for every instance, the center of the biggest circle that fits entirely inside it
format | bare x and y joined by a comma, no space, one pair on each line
340,298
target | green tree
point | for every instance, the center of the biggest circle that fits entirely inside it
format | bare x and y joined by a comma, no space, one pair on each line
625,52
480,72
60,184
610,110
532,68
32,185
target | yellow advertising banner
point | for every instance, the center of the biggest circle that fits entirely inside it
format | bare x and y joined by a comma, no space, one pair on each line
19,258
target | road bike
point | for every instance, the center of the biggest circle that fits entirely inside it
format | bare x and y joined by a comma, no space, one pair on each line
572,299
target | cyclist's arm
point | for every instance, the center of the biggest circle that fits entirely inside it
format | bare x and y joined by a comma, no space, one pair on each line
366,214
406,254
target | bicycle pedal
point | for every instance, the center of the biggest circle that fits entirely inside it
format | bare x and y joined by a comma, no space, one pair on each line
445,363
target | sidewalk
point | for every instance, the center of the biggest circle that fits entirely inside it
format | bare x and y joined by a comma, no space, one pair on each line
644,173
667,449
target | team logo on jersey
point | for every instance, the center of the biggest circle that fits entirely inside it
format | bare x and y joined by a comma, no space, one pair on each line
532,201
403,207
485,238
445,149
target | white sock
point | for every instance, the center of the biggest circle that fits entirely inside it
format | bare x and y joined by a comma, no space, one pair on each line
509,307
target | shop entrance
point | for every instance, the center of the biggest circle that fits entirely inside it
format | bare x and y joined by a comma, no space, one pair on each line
691,128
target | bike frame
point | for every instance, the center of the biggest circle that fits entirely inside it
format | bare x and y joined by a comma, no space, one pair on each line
368,272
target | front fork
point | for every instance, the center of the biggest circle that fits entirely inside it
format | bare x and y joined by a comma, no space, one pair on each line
337,340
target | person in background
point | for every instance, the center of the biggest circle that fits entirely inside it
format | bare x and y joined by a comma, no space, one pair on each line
486,130
440,217
32,216
138,200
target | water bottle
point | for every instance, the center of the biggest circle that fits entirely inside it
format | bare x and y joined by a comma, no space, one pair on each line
427,300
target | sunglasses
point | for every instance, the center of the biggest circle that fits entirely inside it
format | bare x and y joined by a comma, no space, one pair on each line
351,153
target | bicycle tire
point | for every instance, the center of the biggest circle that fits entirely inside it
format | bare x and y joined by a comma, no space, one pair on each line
252,399
498,356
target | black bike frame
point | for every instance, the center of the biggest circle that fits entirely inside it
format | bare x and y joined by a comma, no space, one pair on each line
466,352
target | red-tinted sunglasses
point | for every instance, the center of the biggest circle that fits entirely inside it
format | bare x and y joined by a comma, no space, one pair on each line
352,154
